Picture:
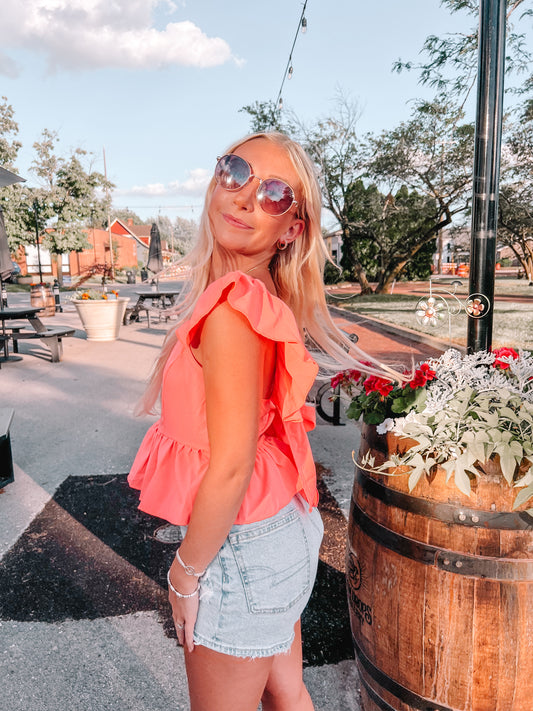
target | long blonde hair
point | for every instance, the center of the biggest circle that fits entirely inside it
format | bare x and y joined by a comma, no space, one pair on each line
297,272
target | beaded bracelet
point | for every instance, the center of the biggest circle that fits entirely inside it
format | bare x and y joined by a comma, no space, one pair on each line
178,594
189,570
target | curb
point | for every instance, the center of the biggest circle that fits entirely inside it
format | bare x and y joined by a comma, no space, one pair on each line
407,334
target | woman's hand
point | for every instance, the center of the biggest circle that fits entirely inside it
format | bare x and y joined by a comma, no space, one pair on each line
184,610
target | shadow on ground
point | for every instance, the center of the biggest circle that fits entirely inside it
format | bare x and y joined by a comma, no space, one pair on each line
91,553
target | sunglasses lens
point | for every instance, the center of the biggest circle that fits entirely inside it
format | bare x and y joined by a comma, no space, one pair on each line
232,172
275,196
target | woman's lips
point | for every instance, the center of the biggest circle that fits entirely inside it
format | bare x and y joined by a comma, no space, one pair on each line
234,222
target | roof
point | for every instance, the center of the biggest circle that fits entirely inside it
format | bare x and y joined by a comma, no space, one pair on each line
140,233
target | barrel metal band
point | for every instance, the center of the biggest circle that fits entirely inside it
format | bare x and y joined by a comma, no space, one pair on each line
503,520
516,570
393,687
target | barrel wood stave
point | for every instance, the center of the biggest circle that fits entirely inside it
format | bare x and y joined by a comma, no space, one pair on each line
451,638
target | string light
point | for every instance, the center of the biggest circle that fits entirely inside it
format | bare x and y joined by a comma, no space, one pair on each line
289,69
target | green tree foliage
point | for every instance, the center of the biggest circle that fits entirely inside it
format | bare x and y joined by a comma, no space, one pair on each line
124,214
10,196
390,233
450,62
515,205
72,195
184,235
265,116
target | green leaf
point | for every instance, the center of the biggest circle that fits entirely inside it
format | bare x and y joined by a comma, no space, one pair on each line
523,496
462,480
354,411
507,462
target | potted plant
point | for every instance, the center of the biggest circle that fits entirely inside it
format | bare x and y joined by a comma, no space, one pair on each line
439,559
463,414
101,313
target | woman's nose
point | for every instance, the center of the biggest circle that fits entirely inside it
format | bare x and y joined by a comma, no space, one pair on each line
245,197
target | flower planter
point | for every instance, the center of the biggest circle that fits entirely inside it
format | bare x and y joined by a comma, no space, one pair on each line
440,589
101,318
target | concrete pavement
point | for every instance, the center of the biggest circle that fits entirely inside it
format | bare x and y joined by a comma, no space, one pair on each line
81,573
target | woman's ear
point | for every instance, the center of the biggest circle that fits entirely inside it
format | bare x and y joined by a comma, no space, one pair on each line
293,232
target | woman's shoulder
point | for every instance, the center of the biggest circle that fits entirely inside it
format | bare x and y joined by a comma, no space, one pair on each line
266,313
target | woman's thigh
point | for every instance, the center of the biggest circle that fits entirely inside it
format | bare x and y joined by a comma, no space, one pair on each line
225,682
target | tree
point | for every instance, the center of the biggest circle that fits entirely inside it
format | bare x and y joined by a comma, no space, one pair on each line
450,64
515,205
70,197
391,233
265,116
184,235
431,154
124,214
11,196
515,223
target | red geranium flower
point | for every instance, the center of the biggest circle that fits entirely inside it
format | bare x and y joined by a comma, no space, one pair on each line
499,352
422,375
346,377
373,383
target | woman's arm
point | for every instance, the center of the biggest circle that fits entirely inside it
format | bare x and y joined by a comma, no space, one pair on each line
233,360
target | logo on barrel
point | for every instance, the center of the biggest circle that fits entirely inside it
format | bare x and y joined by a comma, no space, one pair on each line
354,572
355,579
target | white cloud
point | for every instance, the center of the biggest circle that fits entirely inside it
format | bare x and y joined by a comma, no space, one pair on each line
194,186
87,34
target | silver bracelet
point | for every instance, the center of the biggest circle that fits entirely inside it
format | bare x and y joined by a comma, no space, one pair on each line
189,570
178,594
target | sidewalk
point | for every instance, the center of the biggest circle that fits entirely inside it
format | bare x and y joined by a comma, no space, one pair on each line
83,620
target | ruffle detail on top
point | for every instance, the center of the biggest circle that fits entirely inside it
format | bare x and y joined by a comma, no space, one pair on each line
271,318
171,462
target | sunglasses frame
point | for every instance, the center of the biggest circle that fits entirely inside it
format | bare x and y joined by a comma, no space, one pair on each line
258,193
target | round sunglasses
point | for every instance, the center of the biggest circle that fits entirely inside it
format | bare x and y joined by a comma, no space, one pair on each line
274,196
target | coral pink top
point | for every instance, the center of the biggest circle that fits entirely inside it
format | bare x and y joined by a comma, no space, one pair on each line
174,454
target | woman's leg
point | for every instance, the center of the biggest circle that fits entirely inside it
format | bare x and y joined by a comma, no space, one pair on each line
285,689
222,682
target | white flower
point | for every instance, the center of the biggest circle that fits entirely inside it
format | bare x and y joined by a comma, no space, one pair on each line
386,426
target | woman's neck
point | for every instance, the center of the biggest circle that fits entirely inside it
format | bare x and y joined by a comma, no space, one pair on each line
256,269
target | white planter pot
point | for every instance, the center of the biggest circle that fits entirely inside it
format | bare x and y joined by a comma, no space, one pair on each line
101,319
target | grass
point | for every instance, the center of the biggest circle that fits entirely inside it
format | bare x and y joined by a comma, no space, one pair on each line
512,325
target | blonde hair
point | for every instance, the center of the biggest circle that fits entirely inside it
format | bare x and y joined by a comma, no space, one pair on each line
297,272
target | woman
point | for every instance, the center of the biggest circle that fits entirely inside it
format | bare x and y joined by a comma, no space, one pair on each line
229,460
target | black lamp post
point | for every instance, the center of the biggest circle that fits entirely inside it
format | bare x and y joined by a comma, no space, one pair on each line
36,215
491,57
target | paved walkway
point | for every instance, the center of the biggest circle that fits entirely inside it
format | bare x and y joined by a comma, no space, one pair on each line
83,619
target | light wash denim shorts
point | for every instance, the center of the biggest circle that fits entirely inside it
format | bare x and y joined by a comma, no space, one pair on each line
257,586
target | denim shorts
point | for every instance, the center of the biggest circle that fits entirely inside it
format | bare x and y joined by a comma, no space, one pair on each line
257,586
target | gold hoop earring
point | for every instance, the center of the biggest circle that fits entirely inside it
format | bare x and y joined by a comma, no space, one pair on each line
282,246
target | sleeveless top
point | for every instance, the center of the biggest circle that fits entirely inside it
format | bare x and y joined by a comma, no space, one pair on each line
174,454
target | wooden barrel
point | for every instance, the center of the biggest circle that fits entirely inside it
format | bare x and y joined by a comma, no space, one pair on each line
440,590
42,295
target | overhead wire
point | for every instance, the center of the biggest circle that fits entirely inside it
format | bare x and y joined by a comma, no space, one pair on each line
302,25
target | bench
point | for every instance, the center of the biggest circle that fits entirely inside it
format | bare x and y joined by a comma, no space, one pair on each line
52,335
6,459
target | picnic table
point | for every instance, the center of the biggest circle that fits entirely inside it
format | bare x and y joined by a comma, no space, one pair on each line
161,300
51,335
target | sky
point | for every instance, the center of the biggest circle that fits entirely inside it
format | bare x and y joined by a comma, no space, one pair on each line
158,84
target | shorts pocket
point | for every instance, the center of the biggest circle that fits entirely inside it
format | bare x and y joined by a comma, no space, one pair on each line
273,562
